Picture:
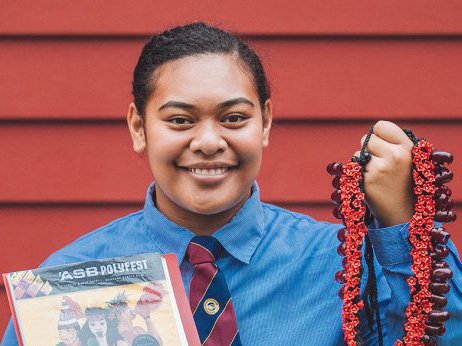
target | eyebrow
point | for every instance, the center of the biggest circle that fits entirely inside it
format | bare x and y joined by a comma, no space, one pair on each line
236,101
222,105
177,104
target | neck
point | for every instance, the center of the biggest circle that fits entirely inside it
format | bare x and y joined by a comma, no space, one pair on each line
200,224
102,341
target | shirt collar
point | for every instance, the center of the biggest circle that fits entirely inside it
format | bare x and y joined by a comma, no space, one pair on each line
240,237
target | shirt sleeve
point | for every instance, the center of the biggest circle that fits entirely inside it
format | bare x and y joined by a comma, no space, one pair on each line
392,250
370,336
10,338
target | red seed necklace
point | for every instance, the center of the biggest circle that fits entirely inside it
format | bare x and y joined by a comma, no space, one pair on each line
425,314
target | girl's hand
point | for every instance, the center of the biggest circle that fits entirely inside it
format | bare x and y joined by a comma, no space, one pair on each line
387,179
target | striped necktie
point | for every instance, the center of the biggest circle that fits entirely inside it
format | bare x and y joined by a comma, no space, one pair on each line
210,301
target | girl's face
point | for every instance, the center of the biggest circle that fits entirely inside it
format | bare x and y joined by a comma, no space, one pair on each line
204,134
98,326
68,336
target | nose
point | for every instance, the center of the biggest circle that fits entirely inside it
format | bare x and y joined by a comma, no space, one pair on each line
208,139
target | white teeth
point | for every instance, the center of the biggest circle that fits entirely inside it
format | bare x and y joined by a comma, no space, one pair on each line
207,171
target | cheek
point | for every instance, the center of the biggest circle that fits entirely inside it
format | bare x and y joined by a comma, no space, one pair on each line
248,145
164,147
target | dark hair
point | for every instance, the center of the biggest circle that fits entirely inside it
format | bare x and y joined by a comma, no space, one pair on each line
188,40
74,325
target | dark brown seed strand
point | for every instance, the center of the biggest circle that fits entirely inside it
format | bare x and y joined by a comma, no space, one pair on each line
441,275
438,301
438,316
433,330
440,156
439,235
335,168
439,288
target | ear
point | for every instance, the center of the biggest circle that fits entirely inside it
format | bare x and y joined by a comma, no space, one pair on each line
135,125
267,121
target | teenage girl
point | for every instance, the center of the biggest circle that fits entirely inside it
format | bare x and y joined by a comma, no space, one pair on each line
202,115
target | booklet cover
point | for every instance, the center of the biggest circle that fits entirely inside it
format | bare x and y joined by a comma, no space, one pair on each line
136,300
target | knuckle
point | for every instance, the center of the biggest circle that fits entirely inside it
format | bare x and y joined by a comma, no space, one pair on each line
379,124
401,156
385,122
409,145
382,168
375,174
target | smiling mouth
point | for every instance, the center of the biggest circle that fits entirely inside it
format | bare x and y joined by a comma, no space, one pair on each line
209,171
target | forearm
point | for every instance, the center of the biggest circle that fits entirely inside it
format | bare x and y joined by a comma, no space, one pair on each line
152,329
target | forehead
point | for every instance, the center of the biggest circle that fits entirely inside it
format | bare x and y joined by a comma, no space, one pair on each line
214,77
94,318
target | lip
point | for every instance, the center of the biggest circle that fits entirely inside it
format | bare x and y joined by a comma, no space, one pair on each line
209,179
208,165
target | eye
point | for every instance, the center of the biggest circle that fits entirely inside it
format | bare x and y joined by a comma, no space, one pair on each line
180,121
234,119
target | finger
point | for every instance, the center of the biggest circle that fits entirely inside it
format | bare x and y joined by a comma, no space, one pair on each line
374,164
373,157
391,132
379,147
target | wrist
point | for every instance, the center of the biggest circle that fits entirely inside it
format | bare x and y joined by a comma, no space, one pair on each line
395,215
394,220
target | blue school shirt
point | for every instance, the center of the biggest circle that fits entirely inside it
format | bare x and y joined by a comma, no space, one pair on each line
280,271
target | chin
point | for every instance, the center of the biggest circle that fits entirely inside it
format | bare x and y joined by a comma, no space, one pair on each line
208,208
212,206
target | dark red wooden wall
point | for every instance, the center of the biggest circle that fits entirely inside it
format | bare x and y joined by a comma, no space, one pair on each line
335,67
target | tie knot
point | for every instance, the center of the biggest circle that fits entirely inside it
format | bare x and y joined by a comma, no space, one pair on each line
203,249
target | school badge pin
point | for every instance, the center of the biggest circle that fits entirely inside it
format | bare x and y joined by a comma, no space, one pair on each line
211,306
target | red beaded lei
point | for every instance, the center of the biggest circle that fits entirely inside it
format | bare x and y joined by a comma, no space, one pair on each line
425,314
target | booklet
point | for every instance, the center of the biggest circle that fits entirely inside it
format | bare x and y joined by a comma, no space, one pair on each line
135,300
